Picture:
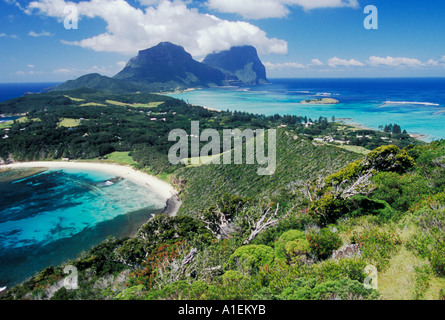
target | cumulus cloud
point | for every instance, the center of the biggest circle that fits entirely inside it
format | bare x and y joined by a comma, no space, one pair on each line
131,29
394,62
260,9
317,62
285,65
335,62
76,72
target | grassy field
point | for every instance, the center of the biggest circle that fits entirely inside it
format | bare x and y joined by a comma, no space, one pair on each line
92,104
135,105
8,124
117,103
355,149
122,158
147,105
69,123
75,99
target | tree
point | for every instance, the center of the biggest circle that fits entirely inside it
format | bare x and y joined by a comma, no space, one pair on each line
267,219
396,129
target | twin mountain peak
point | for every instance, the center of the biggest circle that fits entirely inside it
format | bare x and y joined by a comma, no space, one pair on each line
168,67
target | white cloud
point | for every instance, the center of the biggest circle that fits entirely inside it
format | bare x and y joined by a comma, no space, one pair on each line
130,29
41,34
285,65
62,70
432,62
121,64
12,36
317,62
31,66
260,9
76,72
27,73
335,62
394,62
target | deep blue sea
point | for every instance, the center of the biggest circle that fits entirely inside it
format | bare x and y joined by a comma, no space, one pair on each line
416,104
15,90
50,216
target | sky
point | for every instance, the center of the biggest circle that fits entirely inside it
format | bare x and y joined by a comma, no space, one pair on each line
57,40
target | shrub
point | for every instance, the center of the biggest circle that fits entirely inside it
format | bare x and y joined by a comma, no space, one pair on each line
389,158
437,259
361,206
323,243
280,245
400,191
297,251
328,209
377,245
430,242
250,258
344,289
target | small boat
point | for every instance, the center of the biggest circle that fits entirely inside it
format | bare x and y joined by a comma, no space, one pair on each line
3,289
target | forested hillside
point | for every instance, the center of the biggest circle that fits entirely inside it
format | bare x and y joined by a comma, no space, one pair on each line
311,231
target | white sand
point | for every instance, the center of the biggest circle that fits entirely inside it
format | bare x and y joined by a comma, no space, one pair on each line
162,188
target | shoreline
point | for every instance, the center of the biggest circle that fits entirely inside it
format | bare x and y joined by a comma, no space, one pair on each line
350,122
173,202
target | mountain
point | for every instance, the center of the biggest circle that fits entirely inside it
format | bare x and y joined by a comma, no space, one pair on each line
242,62
170,64
96,81
168,67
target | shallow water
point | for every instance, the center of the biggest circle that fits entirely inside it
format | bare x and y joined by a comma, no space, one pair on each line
49,216
362,101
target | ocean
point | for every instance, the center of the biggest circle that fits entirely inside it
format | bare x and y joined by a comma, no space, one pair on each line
416,104
15,90
50,216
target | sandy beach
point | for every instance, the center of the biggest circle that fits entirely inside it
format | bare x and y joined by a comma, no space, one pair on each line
161,187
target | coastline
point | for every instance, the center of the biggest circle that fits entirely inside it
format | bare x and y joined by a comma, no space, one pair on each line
164,189
350,122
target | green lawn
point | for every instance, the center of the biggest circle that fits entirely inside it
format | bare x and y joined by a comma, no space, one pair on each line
122,158
9,124
69,123
147,105
75,99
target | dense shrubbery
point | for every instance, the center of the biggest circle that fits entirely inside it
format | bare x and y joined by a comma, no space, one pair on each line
344,289
430,243
323,242
377,245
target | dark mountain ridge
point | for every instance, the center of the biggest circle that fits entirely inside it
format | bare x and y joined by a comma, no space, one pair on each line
168,67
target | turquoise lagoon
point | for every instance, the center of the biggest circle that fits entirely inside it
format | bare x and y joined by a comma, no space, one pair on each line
50,216
416,104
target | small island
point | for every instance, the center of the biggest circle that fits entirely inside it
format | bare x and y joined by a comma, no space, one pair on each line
320,101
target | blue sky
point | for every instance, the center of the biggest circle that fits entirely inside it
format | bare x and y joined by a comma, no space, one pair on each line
295,38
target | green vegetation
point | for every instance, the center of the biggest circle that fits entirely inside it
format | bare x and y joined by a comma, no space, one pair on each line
307,232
